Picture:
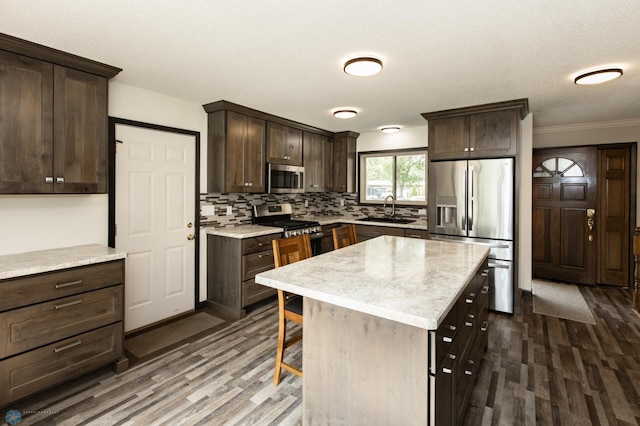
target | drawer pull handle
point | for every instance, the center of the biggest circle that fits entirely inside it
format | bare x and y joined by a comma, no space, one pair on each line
69,284
447,339
468,324
69,346
472,316
468,301
485,289
485,326
66,305
446,370
452,356
260,256
453,327
468,372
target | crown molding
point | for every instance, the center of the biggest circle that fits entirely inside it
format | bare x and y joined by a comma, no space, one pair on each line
587,126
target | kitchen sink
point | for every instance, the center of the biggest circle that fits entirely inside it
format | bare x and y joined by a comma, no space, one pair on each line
386,220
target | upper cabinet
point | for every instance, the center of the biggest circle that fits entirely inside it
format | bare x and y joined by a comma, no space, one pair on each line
284,144
483,131
53,120
236,152
242,140
317,160
344,161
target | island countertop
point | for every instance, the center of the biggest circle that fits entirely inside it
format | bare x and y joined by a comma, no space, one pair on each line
408,280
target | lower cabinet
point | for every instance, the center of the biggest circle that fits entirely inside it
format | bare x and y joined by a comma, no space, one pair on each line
367,232
59,325
232,264
459,344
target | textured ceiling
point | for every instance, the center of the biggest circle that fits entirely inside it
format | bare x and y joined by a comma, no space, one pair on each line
285,56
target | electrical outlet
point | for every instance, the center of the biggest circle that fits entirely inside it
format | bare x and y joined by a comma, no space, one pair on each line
422,212
229,210
208,210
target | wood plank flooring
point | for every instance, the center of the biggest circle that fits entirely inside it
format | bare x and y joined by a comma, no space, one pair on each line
537,370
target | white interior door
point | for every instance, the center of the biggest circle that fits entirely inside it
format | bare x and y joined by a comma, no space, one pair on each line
155,222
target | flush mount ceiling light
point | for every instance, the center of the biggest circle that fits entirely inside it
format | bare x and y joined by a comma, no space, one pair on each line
599,76
344,113
390,129
363,67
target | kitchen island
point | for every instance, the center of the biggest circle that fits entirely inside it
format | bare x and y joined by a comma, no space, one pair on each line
391,328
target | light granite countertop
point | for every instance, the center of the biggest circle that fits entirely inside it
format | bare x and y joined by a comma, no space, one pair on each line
408,280
35,262
250,231
243,231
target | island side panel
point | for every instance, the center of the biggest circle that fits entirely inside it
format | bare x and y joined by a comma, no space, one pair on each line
359,369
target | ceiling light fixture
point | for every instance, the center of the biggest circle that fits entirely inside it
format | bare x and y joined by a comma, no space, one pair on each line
344,113
390,129
599,76
363,67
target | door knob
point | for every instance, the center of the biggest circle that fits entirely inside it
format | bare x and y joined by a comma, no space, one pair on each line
189,225
191,237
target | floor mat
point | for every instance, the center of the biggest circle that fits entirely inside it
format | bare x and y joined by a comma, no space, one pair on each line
560,300
170,334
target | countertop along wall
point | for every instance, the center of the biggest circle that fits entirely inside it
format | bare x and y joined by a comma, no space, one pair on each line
39,222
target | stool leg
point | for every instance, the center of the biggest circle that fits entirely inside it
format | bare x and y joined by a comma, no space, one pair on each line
282,334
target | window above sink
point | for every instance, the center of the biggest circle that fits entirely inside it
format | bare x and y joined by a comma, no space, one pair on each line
398,173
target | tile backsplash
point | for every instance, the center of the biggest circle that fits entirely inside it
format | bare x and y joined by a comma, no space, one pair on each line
322,203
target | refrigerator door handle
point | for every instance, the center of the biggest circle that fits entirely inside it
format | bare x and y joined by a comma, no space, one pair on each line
463,225
471,195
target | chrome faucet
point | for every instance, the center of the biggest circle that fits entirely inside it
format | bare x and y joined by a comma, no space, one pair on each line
393,205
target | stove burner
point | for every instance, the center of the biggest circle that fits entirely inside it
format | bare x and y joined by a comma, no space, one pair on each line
279,215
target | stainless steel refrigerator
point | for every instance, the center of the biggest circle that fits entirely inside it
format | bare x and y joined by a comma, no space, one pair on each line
472,201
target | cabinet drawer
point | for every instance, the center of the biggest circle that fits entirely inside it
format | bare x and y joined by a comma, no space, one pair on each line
255,263
367,232
446,334
253,292
255,244
36,325
50,365
52,285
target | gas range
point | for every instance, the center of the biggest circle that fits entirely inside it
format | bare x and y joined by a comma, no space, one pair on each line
279,215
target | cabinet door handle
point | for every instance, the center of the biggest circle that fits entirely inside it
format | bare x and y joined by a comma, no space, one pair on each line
453,327
452,356
468,301
485,326
472,316
466,150
69,346
48,179
446,370
447,339
485,289
468,324
468,372
69,284
485,273
472,149
67,305
260,256
59,179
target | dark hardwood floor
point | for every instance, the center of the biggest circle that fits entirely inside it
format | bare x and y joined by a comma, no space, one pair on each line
537,370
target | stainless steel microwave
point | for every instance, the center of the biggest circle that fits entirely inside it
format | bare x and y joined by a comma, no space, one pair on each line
283,179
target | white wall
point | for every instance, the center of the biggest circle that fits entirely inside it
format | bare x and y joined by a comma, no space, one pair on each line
407,137
38,222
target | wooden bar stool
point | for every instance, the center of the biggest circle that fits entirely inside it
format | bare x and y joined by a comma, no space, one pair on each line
286,251
344,236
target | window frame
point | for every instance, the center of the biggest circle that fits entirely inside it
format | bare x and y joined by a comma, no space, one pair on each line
362,187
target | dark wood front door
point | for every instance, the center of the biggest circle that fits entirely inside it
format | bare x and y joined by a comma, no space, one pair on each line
564,202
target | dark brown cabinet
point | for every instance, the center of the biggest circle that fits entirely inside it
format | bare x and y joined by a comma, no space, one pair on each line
232,264
460,341
53,120
317,159
344,161
60,325
484,131
236,152
284,144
